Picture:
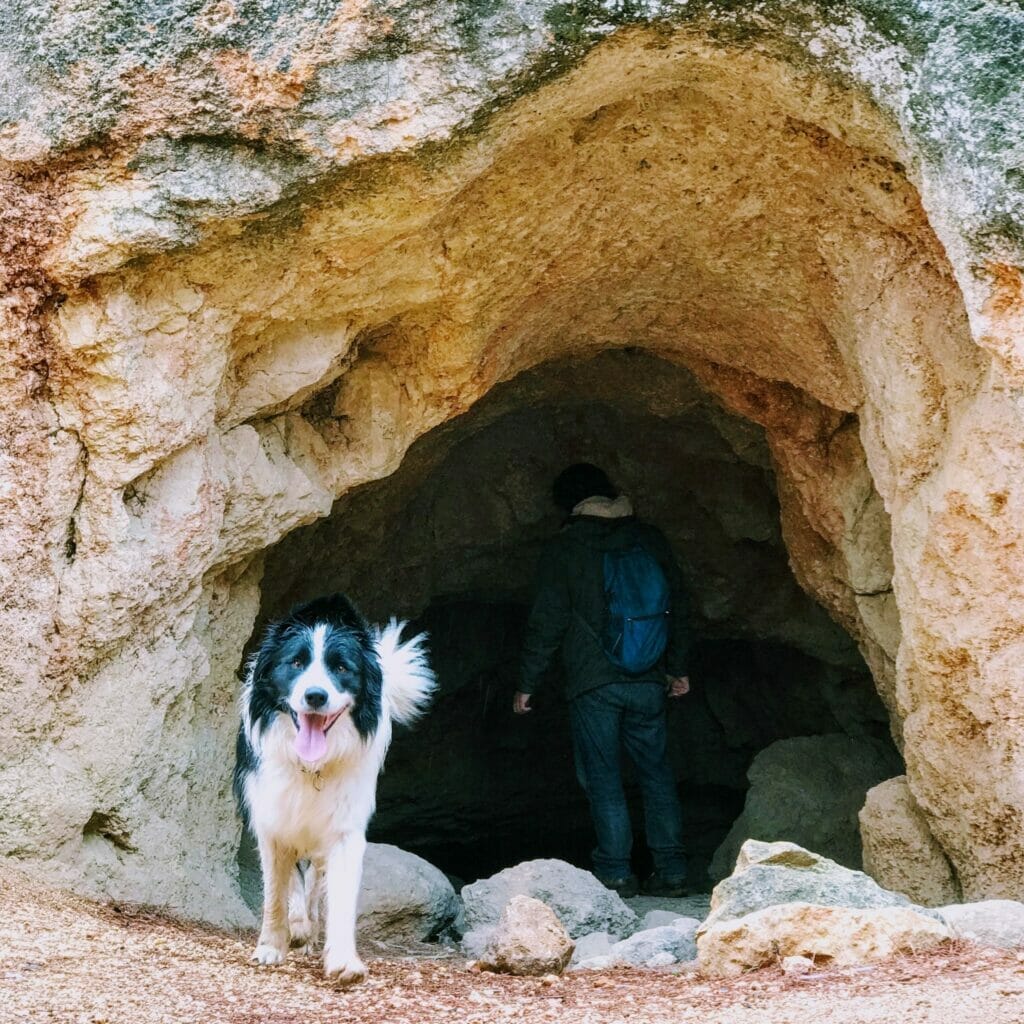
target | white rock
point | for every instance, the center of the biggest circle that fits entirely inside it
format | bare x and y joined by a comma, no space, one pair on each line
839,936
797,965
595,963
990,922
594,944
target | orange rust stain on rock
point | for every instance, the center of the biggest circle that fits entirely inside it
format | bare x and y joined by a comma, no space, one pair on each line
1004,311
258,87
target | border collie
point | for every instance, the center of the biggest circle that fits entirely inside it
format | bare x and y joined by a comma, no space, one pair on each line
319,698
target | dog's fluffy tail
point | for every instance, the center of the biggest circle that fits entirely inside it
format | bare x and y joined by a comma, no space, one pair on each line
409,681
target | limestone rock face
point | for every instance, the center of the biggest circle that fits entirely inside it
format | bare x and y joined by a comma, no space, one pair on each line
808,790
252,253
578,899
402,897
836,936
900,852
528,939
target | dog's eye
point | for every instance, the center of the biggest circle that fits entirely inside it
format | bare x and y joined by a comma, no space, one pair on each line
298,663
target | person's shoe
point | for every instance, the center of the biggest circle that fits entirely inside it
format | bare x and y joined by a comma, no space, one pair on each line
627,887
660,885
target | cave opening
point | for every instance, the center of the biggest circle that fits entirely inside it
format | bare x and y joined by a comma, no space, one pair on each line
451,540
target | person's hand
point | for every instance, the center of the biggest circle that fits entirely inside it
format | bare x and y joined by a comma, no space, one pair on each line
678,686
521,703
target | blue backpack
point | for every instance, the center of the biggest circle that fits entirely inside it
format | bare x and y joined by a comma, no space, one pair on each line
638,604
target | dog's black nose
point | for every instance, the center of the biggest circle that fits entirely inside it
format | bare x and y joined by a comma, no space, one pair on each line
315,697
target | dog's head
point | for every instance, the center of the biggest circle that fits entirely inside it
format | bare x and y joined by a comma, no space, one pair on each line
319,668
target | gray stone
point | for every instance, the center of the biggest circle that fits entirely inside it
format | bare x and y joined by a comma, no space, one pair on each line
658,918
580,901
589,946
809,790
677,940
474,942
989,922
698,905
661,960
771,874
595,963
403,897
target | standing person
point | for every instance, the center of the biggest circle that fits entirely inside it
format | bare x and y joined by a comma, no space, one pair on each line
610,596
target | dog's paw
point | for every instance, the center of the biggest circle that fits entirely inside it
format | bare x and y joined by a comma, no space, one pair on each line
267,954
346,971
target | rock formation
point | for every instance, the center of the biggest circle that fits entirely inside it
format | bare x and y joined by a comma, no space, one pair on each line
251,255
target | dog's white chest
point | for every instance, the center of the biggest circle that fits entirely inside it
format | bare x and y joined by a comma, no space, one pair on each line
309,810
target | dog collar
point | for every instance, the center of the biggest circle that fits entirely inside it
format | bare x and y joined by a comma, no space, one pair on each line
317,777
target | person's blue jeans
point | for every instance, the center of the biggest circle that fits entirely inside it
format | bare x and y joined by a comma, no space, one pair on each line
629,716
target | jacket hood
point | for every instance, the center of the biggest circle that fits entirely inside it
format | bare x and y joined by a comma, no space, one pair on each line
604,523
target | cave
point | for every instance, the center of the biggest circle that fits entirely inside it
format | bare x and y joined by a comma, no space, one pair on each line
451,540
291,348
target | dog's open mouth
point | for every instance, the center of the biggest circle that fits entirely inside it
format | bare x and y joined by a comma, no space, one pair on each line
311,740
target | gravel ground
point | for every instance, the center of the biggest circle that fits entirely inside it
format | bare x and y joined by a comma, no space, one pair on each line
66,959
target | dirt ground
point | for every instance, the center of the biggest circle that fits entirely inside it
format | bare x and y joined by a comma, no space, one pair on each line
66,959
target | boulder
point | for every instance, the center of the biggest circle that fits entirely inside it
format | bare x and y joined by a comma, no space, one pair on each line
528,940
403,897
899,850
769,874
676,939
808,790
990,922
837,936
579,900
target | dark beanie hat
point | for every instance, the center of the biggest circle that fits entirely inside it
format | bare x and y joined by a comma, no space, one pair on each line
580,481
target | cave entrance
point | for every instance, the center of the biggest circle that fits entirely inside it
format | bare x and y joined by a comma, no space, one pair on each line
451,540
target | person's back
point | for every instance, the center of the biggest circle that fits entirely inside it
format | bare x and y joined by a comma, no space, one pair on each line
610,706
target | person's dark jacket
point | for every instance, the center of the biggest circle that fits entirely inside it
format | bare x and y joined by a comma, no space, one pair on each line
569,607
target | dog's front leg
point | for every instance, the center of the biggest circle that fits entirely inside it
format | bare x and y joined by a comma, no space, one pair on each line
344,873
278,864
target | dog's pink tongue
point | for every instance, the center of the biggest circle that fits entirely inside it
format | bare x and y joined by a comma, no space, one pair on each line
311,742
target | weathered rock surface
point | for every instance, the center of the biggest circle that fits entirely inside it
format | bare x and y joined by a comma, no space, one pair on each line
578,899
837,936
900,852
527,940
403,897
770,874
990,922
808,790
233,295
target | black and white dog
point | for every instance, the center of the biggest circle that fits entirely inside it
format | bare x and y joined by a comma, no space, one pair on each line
320,696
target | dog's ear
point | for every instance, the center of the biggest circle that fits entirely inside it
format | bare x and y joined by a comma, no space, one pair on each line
366,716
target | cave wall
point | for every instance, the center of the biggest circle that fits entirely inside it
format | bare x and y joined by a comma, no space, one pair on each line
249,262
